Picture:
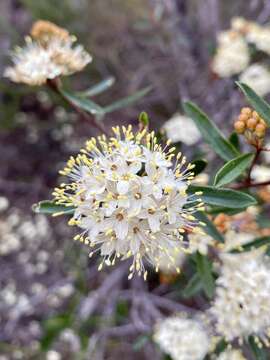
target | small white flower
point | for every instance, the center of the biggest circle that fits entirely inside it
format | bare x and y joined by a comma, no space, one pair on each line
200,242
257,76
231,355
130,204
182,338
181,128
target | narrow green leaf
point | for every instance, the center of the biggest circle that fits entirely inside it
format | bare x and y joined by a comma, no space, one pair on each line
204,268
82,103
223,197
254,244
234,140
210,132
209,227
98,88
233,169
200,165
215,210
193,286
257,102
258,352
127,100
49,207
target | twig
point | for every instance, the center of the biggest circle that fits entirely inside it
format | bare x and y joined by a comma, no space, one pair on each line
55,86
91,302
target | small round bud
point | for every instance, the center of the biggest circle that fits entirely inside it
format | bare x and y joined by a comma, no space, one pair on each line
239,127
260,130
255,115
243,117
246,111
263,122
251,123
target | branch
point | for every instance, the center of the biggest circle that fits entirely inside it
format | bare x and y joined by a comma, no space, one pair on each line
54,84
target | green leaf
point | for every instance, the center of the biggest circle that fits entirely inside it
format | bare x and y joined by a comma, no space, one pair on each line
257,102
233,169
127,100
215,210
98,88
200,165
49,207
210,132
223,197
254,244
193,286
209,227
234,140
82,103
204,268
258,352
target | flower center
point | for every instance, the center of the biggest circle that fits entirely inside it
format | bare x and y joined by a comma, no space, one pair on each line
151,211
113,167
120,217
136,230
138,196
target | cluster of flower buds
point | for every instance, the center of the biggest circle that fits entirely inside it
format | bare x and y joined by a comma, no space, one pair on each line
251,125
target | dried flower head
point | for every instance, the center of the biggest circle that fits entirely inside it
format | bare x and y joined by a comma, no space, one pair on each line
130,199
252,126
182,338
242,304
44,31
50,55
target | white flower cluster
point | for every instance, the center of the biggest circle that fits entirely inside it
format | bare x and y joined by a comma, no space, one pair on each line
242,304
46,56
181,128
182,338
257,76
130,199
231,355
233,54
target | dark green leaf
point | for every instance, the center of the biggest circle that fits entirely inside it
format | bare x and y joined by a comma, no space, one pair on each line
82,103
254,244
257,102
258,352
193,286
209,227
98,88
204,268
215,210
234,140
49,207
210,132
223,197
233,169
200,165
127,100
